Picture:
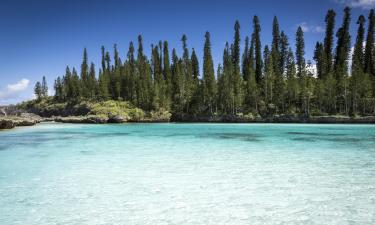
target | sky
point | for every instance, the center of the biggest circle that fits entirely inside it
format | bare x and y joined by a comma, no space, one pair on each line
41,37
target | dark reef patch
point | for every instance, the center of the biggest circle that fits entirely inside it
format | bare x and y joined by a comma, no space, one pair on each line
232,136
314,134
304,139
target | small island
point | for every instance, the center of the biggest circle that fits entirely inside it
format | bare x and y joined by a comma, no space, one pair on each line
270,83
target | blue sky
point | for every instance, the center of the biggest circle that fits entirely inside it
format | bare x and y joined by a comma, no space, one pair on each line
42,37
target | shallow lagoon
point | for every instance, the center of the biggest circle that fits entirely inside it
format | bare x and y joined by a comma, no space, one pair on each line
188,174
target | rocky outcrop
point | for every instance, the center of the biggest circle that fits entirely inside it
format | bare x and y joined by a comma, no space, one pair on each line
6,123
18,121
81,119
117,119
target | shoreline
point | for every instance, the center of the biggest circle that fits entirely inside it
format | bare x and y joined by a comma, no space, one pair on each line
10,122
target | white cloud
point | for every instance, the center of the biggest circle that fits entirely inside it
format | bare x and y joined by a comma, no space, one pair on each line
12,91
364,4
310,28
318,29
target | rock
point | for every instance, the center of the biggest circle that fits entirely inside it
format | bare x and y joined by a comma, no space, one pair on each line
3,112
117,119
6,123
81,119
24,122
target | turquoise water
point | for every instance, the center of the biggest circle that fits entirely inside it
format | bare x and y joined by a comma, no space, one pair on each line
188,174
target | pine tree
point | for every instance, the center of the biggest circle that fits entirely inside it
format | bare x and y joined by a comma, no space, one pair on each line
188,75
159,85
291,86
258,50
269,76
275,50
209,83
226,92
84,75
177,84
283,57
251,89
75,85
277,64
167,72
300,52
195,65
92,82
357,64
319,58
341,65
38,91
144,87
115,75
236,77
245,59
328,41
196,99
301,70
369,51
58,86
129,91
44,87
103,86
103,82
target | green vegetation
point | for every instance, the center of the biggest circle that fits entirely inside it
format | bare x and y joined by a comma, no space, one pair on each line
257,82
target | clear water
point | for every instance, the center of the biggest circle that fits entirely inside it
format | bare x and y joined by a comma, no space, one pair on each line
188,174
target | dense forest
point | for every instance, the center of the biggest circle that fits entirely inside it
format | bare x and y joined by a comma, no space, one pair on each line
259,80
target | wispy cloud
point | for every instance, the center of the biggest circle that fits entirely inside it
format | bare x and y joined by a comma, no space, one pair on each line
364,4
12,91
310,28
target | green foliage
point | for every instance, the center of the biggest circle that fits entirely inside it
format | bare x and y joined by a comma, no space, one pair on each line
268,83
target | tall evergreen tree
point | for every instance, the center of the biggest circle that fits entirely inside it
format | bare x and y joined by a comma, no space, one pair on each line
196,99
283,57
258,50
341,64
358,76
245,59
58,86
144,86
159,85
292,86
369,51
269,75
300,52
225,91
188,74
167,70
236,77
177,84
92,83
319,58
209,82
44,87
251,89
275,50
328,40
84,75
38,90
343,46
301,71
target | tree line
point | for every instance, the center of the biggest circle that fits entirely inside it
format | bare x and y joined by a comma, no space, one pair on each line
267,80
